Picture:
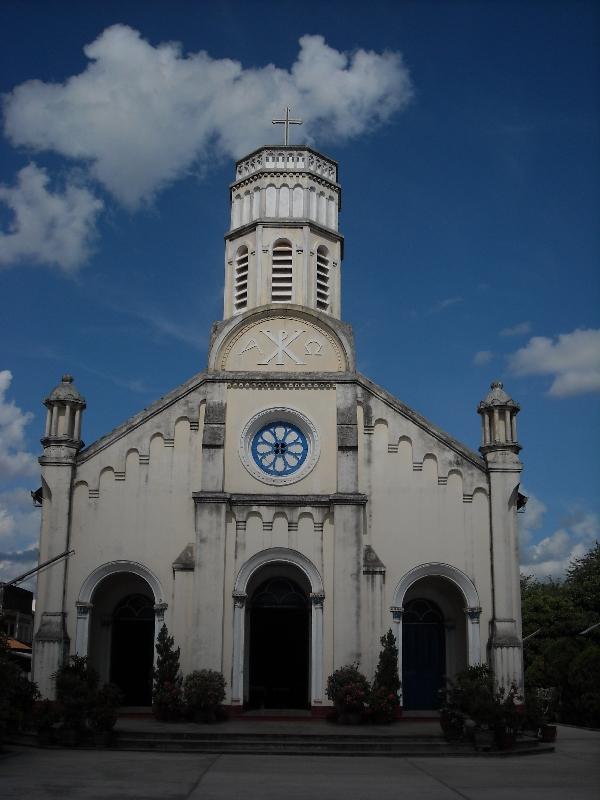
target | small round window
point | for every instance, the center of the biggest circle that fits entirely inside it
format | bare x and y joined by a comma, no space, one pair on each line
279,446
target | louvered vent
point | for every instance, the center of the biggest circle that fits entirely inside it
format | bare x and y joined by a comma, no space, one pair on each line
322,279
281,273
241,279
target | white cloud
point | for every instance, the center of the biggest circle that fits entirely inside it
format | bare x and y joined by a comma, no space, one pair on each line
14,460
520,329
142,115
482,357
551,555
447,302
19,533
48,227
573,359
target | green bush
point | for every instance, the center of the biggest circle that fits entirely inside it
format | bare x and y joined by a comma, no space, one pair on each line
76,682
203,690
348,688
17,692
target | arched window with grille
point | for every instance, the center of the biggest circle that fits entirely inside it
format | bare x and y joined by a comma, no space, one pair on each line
240,299
322,278
281,272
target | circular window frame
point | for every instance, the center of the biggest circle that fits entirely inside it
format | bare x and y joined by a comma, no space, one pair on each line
269,416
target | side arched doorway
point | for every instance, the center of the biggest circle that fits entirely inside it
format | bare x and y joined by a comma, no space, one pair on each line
117,624
279,638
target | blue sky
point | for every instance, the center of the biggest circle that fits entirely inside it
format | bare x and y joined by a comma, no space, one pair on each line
468,141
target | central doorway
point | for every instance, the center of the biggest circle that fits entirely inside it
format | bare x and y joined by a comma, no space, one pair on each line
279,653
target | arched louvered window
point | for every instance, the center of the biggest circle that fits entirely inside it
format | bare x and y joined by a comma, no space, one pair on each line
281,272
322,278
240,299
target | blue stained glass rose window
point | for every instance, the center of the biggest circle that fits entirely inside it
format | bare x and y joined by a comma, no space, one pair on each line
279,448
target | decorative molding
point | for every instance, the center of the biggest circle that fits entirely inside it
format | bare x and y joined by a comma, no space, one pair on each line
93,494
169,442
89,585
417,466
432,569
372,564
467,498
392,448
83,609
119,476
442,481
280,385
144,458
267,526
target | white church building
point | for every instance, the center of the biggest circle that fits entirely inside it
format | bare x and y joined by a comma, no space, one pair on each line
279,511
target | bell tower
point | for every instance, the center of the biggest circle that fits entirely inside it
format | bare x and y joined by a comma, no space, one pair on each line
283,246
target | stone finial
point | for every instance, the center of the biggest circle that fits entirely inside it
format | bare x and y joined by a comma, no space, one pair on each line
498,413
66,391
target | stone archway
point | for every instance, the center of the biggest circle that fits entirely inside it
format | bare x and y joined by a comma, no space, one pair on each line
119,613
284,565
442,636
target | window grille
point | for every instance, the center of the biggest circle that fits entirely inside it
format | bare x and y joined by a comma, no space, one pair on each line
322,278
241,279
281,273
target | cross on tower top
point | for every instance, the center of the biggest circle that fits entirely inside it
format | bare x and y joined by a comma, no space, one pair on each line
286,122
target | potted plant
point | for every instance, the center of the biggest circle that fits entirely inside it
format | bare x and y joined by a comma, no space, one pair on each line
166,693
547,702
75,685
45,717
103,713
510,716
203,692
383,700
348,689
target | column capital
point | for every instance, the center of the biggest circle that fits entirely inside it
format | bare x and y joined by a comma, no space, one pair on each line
473,613
239,599
317,598
83,609
397,613
159,611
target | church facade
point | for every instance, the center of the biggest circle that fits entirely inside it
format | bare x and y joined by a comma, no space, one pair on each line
279,511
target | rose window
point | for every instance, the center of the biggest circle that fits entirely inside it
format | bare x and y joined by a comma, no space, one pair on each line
279,449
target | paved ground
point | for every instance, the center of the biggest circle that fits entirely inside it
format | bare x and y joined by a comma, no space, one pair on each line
572,772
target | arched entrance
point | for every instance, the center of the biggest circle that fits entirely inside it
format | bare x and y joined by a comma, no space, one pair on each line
423,654
119,611
132,648
279,631
436,623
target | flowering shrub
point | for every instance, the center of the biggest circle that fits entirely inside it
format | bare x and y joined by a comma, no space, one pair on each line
203,690
383,704
348,689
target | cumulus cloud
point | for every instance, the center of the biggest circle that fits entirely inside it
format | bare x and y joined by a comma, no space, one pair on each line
54,228
520,329
572,358
482,357
14,459
141,115
19,533
551,555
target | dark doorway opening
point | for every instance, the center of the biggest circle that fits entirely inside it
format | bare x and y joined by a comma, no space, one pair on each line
132,649
423,654
279,646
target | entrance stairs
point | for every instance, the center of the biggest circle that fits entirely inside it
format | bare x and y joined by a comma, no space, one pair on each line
296,737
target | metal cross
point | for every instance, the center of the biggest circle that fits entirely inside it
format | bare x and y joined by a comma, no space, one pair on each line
287,122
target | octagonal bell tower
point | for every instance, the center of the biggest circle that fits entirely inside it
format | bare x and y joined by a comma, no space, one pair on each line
283,245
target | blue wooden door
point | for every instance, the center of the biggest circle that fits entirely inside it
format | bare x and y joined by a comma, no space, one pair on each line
423,654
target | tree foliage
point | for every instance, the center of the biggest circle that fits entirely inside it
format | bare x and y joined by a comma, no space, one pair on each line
167,692
558,655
